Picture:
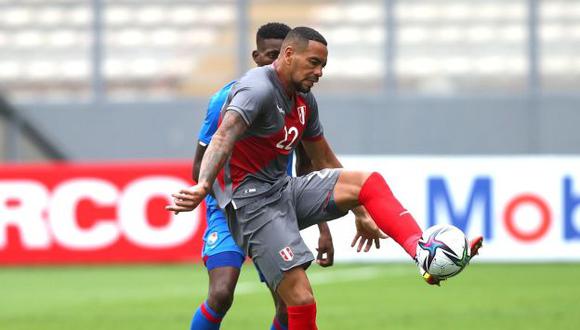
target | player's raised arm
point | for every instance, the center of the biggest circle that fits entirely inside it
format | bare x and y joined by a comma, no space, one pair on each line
214,158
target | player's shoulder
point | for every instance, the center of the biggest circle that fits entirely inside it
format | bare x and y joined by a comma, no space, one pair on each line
218,98
223,92
259,79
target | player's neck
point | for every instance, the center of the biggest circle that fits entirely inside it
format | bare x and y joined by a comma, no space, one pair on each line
284,78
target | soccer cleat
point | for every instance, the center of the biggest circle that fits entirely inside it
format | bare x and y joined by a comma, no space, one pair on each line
430,279
474,246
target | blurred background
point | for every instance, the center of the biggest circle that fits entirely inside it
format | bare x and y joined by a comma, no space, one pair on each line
126,79
469,108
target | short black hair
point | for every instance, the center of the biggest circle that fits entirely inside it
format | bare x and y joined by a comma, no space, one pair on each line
272,31
302,34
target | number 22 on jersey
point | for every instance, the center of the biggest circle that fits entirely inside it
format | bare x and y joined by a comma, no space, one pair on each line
290,136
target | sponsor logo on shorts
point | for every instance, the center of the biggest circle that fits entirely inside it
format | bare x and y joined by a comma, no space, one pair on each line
212,239
287,254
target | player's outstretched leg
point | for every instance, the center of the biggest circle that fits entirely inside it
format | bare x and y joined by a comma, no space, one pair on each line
224,271
371,190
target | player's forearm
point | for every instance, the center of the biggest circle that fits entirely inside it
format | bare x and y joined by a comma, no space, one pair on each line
304,168
303,162
323,228
328,161
214,160
360,211
199,152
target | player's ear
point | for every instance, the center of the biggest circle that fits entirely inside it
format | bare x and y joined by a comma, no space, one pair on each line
288,54
255,55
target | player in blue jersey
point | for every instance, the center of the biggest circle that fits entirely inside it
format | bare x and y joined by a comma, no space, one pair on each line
222,257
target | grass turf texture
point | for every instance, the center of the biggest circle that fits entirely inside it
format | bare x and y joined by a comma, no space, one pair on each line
362,296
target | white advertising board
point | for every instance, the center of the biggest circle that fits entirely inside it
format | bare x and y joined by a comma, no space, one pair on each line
527,208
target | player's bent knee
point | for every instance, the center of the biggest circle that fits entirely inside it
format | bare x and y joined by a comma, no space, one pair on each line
303,297
221,297
356,178
347,189
297,297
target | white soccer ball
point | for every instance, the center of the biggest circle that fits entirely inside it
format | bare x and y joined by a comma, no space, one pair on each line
443,251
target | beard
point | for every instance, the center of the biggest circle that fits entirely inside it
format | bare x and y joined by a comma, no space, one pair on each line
302,88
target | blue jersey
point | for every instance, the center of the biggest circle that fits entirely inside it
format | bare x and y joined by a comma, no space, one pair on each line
209,128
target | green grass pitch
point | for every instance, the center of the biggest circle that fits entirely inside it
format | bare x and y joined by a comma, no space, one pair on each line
351,296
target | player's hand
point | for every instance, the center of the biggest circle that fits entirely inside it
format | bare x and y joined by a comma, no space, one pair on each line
325,256
187,199
367,231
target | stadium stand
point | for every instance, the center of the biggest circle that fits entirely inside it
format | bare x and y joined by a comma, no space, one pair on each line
164,49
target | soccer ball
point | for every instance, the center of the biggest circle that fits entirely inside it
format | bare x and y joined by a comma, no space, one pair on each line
443,251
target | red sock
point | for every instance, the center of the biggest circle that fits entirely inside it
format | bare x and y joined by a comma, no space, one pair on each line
302,317
391,217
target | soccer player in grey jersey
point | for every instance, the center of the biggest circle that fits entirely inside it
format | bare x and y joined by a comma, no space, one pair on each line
221,255
266,114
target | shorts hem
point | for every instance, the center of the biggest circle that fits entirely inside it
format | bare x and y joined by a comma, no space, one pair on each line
279,277
224,259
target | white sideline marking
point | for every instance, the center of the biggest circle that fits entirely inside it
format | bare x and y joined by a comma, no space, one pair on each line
329,276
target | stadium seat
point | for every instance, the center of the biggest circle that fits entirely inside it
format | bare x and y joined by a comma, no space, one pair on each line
177,44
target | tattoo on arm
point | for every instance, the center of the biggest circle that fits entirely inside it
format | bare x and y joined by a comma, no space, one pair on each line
220,147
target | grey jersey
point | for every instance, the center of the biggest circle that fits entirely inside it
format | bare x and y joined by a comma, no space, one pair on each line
276,124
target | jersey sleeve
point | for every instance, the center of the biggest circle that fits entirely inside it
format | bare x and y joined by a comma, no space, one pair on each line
248,101
313,130
212,115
